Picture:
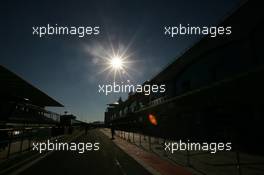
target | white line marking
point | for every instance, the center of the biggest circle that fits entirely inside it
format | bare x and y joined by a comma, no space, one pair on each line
120,167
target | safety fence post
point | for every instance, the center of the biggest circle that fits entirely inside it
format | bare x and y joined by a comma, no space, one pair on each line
21,140
9,143
140,139
149,140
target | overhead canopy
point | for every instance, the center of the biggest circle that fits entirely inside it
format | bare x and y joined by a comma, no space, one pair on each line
12,86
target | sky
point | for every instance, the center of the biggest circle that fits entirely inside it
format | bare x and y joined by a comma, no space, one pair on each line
69,68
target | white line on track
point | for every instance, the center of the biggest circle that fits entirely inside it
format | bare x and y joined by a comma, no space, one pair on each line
120,166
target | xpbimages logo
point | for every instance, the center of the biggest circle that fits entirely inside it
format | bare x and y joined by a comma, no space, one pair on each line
80,31
146,89
62,146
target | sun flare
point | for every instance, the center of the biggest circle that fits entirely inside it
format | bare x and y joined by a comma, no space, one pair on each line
116,63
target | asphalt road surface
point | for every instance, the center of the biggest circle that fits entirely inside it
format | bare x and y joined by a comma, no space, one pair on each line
108,160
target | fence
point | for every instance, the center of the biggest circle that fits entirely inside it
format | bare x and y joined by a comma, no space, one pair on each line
205,163
14,140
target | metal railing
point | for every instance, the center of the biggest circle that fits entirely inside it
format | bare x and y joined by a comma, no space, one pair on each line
17,140
202,162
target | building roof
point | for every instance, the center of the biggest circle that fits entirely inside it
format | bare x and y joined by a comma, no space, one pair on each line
13,86
243,20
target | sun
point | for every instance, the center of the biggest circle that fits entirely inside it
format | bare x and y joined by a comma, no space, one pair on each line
116,63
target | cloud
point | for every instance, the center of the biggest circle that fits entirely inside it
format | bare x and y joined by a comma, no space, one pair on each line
95,51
